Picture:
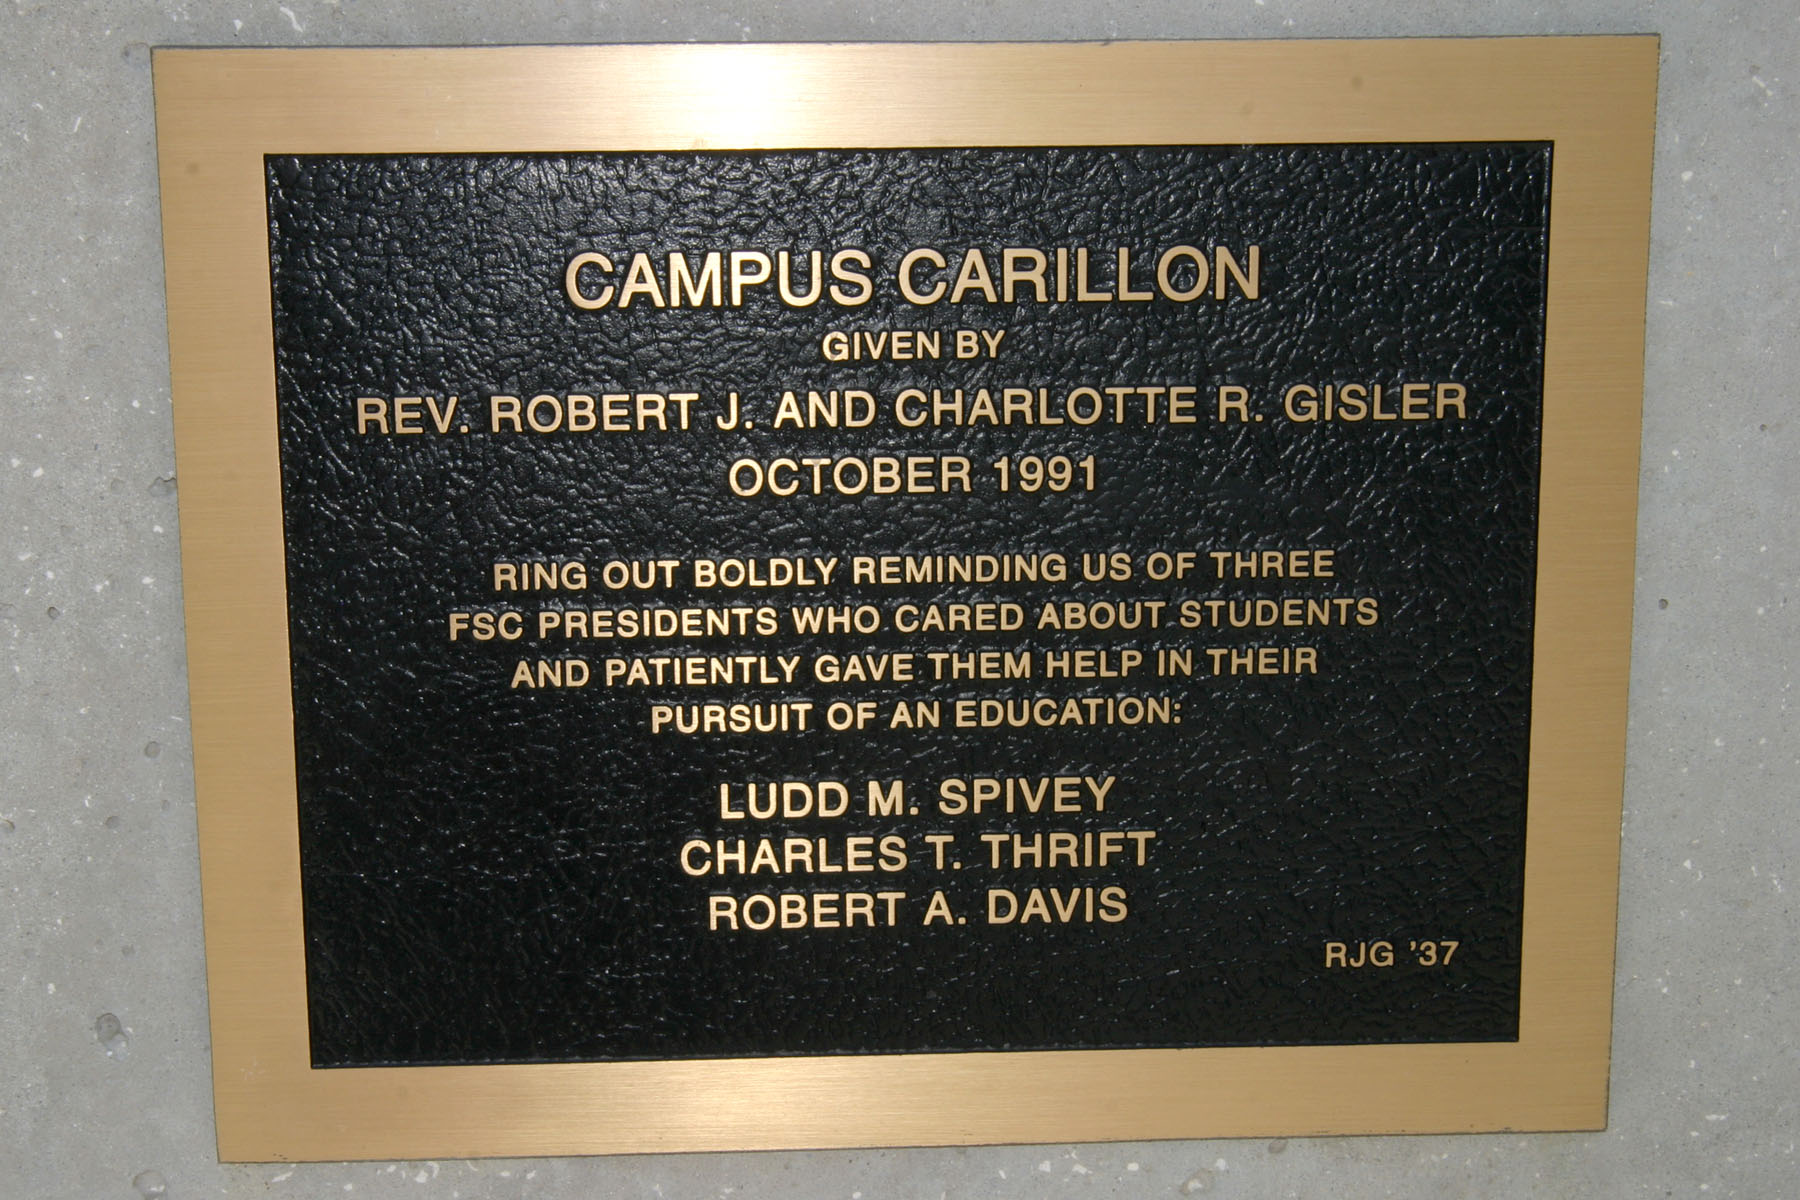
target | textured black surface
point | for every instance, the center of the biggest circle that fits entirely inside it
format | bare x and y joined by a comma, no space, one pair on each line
490,874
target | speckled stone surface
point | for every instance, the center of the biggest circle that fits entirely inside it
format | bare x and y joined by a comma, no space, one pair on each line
104,1088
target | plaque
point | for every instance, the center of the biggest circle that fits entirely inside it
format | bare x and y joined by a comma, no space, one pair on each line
824,596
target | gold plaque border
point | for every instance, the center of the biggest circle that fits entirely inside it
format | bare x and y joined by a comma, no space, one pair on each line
219,111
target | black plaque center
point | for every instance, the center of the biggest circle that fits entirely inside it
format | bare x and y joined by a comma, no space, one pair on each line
1298,818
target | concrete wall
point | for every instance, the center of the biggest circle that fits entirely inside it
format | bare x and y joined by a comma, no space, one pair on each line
104,1087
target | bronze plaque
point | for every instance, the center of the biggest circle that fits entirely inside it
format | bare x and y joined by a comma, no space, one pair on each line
818,596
